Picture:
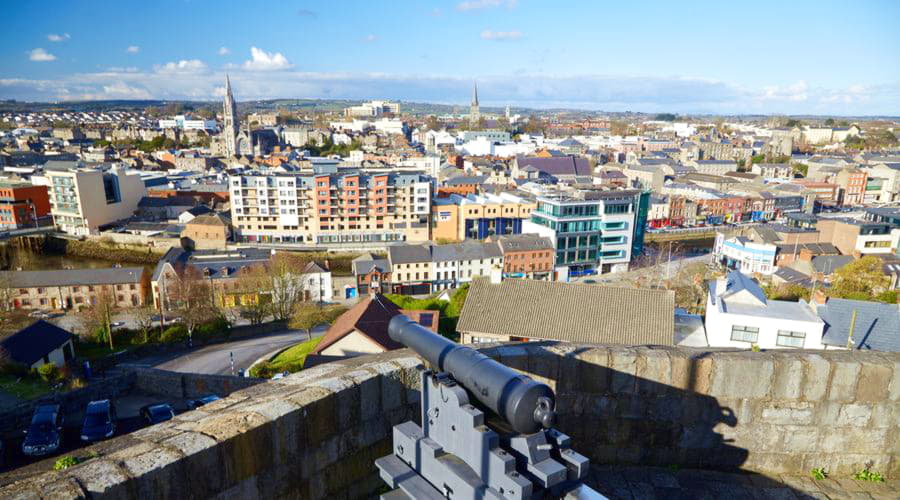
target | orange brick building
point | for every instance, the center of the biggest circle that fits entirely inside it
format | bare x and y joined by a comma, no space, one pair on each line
22,204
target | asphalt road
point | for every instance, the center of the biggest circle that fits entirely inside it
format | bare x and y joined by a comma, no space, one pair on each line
216,359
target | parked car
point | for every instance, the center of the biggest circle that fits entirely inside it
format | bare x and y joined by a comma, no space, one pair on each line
279,376
99,421
44,435
193,404
38,314
156,413
590,282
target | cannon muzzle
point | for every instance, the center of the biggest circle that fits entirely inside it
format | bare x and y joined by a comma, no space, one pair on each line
527,405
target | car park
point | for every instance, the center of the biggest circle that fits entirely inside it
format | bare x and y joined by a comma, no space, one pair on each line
193,404
44,435
156,413
99,421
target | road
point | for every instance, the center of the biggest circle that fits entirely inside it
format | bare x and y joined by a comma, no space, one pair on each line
216,359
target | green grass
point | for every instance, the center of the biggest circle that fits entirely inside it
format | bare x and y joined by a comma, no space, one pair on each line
288,360
91,351
23,387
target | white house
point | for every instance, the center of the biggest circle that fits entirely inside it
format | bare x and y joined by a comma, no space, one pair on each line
746,256
738,314
39,344
316,283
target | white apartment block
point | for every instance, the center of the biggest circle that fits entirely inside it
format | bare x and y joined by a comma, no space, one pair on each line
82,200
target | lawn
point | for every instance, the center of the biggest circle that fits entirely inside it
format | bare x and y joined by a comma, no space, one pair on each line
288,360
23,387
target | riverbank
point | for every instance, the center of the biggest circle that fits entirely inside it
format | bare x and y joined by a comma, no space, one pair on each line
51,252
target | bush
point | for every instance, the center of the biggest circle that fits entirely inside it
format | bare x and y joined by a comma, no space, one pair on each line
176,333
15,369
65,462
49,373
215,328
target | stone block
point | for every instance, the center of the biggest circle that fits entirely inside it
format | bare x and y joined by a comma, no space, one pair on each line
623,363
201,463
347,396
788,377
854,440
798,413
369,393
800,439
894,387
815,380
843,381
747,375
654,372
543,365
160,473
885,414
856,415
874,380
593,370
101,479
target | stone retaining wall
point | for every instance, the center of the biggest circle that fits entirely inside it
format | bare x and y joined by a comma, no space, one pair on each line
316,434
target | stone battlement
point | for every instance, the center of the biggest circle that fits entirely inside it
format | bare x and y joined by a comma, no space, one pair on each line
316,434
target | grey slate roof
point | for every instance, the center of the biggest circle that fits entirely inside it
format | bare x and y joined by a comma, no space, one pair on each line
830,263
877,325
524,242
32,343
569,312
72,277
408,254
469,250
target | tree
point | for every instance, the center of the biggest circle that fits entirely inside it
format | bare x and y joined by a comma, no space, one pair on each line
665,117
829,122
307,316
861,279
95,319
192,299
143,317
800,168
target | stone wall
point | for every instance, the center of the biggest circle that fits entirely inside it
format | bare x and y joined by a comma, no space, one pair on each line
316,434
188,385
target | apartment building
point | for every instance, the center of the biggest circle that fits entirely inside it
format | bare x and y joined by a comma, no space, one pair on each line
353,208
773,170
854,237
852,184
457,218
22,204
593,231
372,109
83,200
75,288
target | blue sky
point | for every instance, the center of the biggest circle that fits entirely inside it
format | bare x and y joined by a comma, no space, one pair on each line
822,57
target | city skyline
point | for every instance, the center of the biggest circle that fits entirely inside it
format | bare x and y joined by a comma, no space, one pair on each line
703,58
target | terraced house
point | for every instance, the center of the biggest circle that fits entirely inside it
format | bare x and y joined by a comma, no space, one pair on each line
331,208
74,288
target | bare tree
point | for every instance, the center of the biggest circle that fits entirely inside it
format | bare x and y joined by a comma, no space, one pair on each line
191,296
143,317
278,286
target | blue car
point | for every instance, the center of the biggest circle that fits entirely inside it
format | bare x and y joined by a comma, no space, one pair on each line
201,401
160,412
99,421
44,435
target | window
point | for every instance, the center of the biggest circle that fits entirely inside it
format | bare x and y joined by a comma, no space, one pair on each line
744,333
790,339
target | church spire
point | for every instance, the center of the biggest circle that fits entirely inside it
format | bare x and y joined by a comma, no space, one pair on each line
474,112
230,121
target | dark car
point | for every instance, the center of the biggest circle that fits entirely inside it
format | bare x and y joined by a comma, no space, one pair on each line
44,434
156,413
99,421
193,404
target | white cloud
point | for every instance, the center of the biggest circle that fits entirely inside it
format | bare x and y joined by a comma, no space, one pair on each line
53,37
40,55
470,5
183,66
133,49
266,61
500,35
371,38
526,89
794,92
224,51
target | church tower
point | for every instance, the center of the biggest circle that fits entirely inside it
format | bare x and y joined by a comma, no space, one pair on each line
474,112
230,129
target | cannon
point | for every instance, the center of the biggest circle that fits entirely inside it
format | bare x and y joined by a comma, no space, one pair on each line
486,431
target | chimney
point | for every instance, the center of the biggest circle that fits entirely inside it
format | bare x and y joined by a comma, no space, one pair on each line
819,297
496,275
806,255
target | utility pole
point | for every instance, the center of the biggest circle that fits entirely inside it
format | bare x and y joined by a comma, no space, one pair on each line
850,333
108,325
231,356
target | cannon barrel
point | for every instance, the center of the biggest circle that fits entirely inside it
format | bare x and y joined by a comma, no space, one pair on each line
527,405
